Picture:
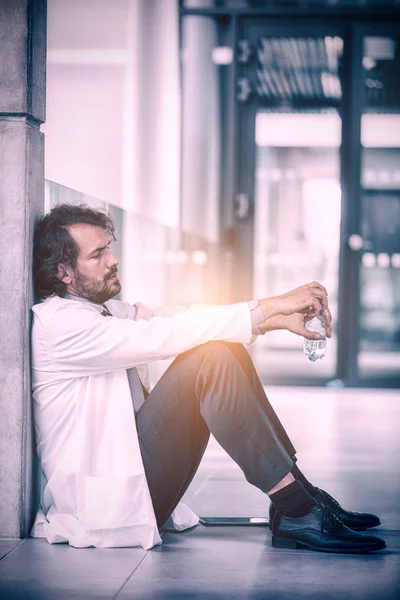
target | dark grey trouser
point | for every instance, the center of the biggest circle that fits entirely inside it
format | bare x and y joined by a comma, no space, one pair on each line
211,388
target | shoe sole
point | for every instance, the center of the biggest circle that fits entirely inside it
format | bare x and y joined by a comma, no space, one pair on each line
362,528
352,528
291,544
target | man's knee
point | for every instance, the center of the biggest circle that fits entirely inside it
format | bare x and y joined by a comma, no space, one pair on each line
229,352
220,350
217,351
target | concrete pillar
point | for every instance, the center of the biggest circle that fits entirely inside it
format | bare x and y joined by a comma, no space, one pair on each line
22,110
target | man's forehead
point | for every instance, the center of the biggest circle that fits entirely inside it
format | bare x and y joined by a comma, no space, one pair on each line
86,235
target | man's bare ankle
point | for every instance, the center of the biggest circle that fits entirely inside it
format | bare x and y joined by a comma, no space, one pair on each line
285,481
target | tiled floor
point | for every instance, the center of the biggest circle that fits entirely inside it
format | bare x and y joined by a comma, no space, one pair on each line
348,442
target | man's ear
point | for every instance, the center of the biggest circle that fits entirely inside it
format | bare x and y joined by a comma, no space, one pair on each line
64,273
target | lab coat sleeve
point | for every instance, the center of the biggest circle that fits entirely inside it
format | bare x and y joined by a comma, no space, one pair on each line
141,311
83,342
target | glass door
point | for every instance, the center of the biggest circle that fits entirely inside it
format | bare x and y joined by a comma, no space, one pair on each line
318,190
289,96
378,242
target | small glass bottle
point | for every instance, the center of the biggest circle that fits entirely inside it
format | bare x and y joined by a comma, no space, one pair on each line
315,349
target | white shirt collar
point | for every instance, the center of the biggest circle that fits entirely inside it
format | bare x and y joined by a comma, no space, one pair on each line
99,307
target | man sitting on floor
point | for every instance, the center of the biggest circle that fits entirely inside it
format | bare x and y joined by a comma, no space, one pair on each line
118,457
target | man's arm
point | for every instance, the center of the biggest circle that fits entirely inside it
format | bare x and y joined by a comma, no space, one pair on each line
79,341
288,311
90,343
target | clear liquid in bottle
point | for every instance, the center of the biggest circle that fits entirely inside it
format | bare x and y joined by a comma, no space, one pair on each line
315,349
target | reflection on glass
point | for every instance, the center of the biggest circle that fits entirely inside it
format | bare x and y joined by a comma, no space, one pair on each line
298,198
297,224
158,265
379,353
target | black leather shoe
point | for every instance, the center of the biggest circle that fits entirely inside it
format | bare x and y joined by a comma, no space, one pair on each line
352,520
320,530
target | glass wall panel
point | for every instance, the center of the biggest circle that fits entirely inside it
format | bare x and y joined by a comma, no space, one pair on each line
297,223
113,103
379,352
297,193
159,265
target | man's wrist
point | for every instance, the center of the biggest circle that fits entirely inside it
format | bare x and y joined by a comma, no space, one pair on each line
273,324
256,315
268,307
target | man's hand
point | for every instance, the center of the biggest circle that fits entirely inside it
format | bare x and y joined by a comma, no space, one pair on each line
293,309
310,299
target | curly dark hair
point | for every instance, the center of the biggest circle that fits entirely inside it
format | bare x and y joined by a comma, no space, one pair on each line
52,244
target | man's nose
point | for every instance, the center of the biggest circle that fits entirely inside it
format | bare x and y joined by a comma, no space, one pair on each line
112,260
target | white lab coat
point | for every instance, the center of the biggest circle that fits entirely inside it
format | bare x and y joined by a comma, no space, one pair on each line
96,493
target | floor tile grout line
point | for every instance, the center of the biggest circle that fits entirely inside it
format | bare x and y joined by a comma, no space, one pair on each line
12,549
129,577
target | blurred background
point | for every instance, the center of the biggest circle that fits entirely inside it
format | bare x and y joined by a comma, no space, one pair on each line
244,148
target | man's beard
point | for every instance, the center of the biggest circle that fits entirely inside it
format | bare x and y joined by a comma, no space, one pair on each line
98,291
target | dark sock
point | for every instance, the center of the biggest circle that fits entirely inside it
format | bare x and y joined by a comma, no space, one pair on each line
297,474
293,500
